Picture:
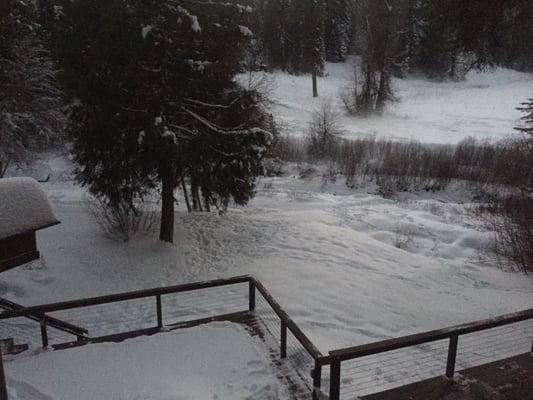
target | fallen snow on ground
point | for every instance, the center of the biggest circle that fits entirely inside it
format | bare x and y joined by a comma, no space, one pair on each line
348,265
216,361
482,106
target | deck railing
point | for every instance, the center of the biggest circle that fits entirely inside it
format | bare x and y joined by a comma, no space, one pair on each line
255,293
41,313
452,334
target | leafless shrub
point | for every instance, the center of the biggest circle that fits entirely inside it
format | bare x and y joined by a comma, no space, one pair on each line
289,149
403,235
121,222
401,166
510,218
324,130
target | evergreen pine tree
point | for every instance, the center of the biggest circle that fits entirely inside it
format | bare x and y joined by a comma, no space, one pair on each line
154,81
274,35
338,29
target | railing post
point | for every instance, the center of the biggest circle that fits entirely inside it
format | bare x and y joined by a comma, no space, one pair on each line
335,380
44,332
3,385
159,312
317,380
251,295
452,355
283,340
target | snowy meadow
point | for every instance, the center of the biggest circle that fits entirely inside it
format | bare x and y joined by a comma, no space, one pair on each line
350,265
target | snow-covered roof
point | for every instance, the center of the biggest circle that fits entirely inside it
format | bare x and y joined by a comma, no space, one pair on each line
24,207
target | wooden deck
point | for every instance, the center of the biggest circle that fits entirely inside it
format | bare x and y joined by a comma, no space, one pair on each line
293,379
510,379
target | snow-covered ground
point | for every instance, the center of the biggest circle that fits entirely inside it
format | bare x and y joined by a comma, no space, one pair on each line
215,361
483,106
348,265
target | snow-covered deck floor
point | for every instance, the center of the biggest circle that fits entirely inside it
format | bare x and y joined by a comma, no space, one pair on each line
220,360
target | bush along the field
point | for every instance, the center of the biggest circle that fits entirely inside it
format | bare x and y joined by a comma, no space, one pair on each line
510,218
405,166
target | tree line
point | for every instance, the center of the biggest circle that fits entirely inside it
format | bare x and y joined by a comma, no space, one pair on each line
442,39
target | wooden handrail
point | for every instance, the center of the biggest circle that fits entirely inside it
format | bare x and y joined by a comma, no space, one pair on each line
52,322
115,298
431,336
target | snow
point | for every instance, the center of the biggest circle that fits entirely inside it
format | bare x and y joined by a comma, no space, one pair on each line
215,361
349,266
483,106
327,252
146,30
195,25
245,31
24,207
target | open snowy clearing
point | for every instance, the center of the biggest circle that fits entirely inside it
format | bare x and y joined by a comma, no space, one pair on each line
483,106
215,361
328,253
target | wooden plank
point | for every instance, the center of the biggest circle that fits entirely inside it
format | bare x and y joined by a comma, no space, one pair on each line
431,336
452,356
283,340
251,295
511,379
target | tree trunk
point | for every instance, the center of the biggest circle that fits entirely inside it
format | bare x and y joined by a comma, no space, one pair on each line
166,233
315,85
207,200
195,193
185,194
383,91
